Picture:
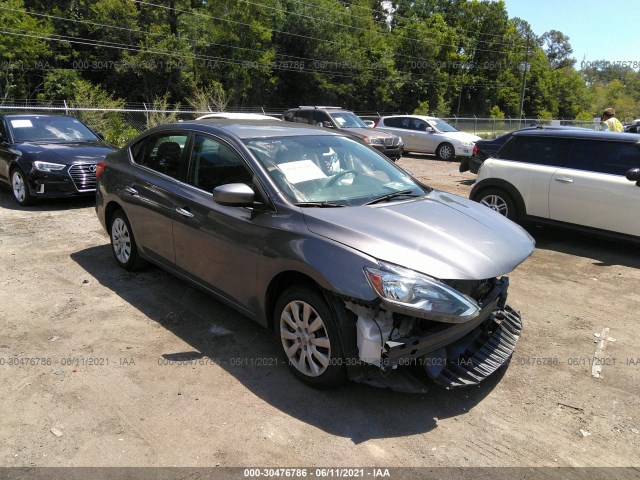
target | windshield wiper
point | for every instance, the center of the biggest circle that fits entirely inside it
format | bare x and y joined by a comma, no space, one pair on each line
319,204
389,196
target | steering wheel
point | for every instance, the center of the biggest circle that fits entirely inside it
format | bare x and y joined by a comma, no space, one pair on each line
338,176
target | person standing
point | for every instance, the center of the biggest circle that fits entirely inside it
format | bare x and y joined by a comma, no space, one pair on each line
609,121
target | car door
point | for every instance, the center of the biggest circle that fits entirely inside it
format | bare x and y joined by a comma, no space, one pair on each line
216,246
400,126
532,161
593,191
5,154
425,136
149,193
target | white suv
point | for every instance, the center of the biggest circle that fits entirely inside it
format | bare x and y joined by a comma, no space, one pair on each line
429,135
580,179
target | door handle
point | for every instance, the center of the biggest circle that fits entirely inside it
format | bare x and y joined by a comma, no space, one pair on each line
564,179
131,190
184,212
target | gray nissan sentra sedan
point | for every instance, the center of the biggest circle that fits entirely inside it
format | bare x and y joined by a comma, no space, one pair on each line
361,271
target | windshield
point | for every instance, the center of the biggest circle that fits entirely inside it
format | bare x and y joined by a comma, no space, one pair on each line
347,120
442,125
331,171
50,129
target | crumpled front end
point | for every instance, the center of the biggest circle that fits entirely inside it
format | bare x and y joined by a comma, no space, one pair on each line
404,352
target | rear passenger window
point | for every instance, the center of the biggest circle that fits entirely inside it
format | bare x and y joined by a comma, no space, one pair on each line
604,157
539,150
214,164
303,116
162,153
398,122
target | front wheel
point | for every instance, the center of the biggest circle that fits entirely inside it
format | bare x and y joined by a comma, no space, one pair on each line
306,328
20,188
499,201
123,245
445,151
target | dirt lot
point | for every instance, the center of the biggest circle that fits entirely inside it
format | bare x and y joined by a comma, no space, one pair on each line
90,370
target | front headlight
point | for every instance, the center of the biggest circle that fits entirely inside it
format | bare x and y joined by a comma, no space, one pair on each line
374,140
467,144
48,166
400,142
417,294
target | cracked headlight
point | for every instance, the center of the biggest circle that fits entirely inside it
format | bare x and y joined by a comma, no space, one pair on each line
48,166
417,294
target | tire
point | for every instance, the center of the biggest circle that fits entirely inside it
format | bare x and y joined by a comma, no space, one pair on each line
20,188
314,356
500,201
445,151
123,245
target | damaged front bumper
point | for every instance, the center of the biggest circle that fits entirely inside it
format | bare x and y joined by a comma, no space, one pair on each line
452,355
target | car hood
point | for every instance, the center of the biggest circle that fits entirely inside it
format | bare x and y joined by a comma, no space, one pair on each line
369,132
442,235
66,153
462,136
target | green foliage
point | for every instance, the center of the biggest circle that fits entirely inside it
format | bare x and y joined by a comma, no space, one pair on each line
161,112
429,56
495,112
422,108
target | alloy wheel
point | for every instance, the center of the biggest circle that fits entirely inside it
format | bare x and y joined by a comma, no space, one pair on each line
496,203
121,240
19,188
305,338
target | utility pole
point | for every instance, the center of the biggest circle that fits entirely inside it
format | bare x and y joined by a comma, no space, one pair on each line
524,67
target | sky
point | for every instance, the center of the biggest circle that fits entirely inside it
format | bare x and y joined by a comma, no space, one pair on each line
597,29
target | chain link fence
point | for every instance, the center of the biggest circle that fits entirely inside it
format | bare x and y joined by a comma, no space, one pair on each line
118,125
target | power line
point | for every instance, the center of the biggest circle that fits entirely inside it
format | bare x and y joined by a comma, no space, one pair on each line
199,14
388,13
225,60
140,32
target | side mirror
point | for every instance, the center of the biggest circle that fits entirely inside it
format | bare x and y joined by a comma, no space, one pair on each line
327,124
633,175
234,195
431,130
100,136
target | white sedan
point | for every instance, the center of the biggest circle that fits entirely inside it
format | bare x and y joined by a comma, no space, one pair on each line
425,134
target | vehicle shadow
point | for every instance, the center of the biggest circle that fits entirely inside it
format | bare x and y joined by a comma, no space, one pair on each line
251,354
604,251
46,205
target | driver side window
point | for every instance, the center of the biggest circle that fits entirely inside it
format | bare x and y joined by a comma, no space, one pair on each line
213,164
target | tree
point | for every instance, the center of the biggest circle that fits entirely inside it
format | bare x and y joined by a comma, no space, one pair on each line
24,58
558,49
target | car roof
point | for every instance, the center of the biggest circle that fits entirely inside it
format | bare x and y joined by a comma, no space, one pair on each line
421,117
33,115
319,108
251,128
237,116
578,133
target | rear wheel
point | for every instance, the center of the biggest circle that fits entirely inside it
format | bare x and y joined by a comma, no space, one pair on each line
445,151
123,245
499,201
306,328
20,189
